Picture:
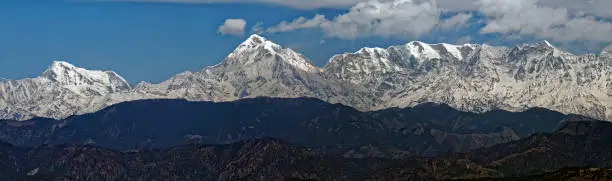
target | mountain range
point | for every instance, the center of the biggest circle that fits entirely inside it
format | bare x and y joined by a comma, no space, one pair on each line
476,78
576,144
425,130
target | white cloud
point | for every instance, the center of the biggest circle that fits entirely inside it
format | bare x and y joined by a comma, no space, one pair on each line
234,27
529,18
299,23
403,18
414,18
599,8
258,28
562,21
594,7
458,21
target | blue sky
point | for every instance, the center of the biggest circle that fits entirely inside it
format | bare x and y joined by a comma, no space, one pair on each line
153,41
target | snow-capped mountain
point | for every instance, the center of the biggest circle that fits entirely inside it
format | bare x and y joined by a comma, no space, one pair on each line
469,77
62,90
255,68
480,77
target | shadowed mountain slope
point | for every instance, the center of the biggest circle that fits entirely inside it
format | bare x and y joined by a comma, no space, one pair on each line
271,159
425,130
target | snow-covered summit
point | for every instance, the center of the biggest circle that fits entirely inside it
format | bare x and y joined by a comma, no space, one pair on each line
542,48
62,90
254,40
422,50
479,77
469,77
257,49
369,64
257,67
545,42
67,74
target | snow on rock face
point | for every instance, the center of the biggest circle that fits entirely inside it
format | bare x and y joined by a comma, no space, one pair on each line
363,64
453,50
67,75
481,77
61,91
468,77
422,51
257,67
256,45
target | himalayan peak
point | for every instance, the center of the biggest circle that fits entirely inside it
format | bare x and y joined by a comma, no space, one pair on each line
469,77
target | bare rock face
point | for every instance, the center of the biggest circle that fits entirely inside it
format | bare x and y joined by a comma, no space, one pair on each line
469,77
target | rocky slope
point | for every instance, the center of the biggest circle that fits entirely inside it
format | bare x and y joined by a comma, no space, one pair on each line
469,77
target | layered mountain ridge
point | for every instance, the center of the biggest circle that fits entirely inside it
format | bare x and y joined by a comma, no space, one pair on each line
469,77
427,129
578,151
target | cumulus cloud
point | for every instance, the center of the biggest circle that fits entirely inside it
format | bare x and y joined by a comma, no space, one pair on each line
562,21
404,18
414,18
529,18
234,27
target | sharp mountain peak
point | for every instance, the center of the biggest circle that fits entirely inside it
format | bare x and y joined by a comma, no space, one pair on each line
469,77
257,49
